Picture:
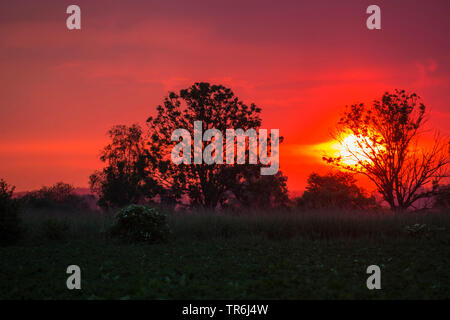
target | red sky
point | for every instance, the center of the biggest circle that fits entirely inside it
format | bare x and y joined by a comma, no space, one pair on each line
301,61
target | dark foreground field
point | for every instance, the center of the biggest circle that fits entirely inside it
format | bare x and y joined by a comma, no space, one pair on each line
286,256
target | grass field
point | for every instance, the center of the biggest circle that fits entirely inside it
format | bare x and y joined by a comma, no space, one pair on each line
309,255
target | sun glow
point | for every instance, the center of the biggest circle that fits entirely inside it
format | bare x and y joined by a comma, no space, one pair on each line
354,149
350,148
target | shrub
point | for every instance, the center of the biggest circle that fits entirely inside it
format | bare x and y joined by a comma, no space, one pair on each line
54,229
10,228
137,223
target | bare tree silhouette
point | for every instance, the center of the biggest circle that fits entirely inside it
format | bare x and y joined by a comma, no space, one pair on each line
385,148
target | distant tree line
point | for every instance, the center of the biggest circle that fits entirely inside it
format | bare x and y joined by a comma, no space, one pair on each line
60,196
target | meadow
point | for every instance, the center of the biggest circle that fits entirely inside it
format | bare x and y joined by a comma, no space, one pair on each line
232,255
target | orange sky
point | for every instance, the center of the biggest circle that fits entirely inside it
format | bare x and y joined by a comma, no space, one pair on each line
301,61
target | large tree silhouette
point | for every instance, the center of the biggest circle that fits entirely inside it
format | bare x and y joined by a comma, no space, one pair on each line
386,149
216,107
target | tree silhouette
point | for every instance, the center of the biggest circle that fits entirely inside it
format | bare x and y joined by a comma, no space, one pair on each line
334,190
127,177
386,150
216,107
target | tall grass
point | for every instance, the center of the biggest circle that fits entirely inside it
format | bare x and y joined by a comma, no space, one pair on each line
81,225
277,225
308,224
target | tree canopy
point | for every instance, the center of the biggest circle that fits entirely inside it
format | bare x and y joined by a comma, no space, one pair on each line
216,107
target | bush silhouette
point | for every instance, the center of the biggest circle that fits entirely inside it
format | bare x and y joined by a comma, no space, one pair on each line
10,224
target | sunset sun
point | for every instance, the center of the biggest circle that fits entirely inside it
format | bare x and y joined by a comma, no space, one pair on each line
353,149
